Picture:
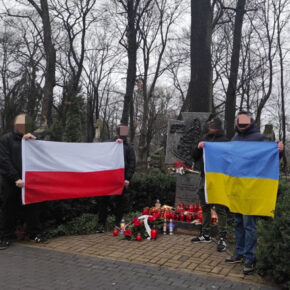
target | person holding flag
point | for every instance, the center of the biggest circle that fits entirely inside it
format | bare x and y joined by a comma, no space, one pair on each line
245,225
215,134
118,203
12,182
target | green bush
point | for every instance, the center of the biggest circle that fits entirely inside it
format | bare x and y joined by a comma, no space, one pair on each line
146,188
273,251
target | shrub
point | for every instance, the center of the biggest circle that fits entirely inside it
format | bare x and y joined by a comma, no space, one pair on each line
145,189
273,251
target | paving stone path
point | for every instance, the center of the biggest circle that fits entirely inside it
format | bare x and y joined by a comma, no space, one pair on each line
102,261
32,268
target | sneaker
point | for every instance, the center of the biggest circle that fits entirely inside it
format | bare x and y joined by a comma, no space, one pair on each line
249,268
222,245
234,259
4,244
100,229
40,239
201,239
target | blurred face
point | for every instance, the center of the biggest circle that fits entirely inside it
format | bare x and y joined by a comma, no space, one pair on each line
212,128
243,122
123,131
19,124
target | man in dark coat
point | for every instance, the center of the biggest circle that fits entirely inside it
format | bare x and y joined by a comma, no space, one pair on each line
215,134
11,171
245,226
118,203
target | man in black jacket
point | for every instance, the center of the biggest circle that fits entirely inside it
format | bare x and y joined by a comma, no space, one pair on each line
11,171
245,225
215,134
118,203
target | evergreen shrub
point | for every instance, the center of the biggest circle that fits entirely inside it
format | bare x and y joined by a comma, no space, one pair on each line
273,251
146,188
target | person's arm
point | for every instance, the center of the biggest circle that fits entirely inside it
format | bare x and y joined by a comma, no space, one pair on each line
198,152
6,166
129,172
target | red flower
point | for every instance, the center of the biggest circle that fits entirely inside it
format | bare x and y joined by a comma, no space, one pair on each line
127,233
135,219
151,219
179,164
156,215
137,223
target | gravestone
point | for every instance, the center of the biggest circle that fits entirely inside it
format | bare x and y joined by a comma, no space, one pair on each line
182,137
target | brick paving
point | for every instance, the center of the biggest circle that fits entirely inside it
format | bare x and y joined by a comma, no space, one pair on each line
33,268
167,252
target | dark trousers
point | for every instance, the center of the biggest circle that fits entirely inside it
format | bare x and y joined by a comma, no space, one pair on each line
206,214
13,212
117,204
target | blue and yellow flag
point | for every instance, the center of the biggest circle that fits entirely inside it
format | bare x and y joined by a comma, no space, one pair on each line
243,176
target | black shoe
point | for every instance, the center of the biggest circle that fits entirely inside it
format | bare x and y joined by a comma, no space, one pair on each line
39,239
249,268
222,245
4,244
201,239
100,229
234,259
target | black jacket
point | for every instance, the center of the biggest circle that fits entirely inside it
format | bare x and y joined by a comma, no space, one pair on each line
130,159
197,154
10,156
250,134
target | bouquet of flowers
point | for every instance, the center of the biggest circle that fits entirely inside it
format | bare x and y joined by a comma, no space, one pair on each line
141,226
181,168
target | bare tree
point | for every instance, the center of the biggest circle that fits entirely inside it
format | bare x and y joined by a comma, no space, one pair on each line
50,56
154,30
134,11
279,10
230,105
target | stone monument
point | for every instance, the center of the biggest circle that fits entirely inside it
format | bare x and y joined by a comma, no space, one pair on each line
182,136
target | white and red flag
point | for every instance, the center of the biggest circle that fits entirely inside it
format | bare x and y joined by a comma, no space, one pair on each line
59,170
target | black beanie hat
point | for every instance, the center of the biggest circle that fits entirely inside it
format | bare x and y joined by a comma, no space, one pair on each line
215,123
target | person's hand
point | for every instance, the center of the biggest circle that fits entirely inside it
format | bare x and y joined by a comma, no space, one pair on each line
19,183
119,140
200,145
280,146
28,136
126,183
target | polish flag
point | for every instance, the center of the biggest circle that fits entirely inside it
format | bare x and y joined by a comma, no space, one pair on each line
59,170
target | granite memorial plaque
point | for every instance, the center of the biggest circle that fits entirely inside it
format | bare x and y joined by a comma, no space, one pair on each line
182,138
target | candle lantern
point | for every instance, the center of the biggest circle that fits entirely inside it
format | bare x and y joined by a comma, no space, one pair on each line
138,237
191,208
182,216
199,209
188,217
122,225
153,234
115,232
213,216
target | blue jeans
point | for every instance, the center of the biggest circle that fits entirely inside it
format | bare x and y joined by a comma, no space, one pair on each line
246,237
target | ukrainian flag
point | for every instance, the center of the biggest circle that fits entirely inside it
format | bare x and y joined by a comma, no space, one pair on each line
243,176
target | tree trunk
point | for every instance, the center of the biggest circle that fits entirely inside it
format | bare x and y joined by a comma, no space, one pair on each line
132,55
230,108
199,94
50,54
